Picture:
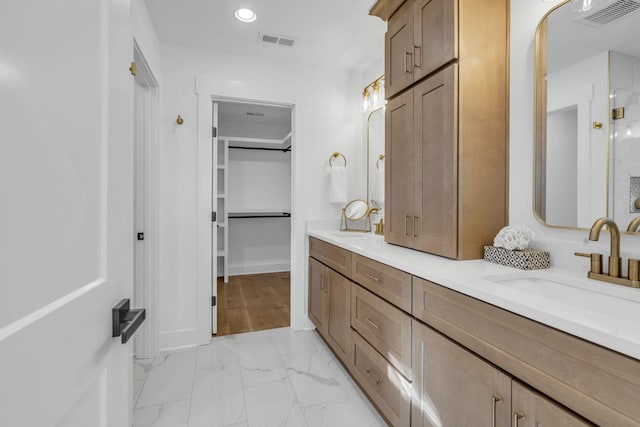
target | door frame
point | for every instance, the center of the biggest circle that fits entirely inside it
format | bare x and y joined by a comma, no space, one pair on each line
146,343
207,90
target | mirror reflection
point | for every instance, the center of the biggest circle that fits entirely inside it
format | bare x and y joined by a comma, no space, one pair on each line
587,116
356,209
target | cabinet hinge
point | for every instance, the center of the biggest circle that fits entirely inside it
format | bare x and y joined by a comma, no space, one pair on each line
133,69
214,132
213,301
213,217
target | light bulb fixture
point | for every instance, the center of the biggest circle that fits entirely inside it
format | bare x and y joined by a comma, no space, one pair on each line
373,95
245,15
583,5
365,99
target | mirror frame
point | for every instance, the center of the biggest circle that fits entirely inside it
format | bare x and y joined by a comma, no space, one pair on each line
540,125
370,200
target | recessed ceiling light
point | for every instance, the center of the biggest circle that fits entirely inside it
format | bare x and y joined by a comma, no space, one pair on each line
245,15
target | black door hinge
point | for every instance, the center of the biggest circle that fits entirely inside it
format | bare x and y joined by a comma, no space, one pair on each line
214,132
140,236
213,217
213,301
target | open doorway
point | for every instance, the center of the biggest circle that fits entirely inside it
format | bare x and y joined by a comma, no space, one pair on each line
252,200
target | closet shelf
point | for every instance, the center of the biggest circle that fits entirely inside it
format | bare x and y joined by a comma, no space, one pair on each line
259,214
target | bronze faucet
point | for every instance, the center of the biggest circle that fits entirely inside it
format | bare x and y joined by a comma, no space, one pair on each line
614,258
634,225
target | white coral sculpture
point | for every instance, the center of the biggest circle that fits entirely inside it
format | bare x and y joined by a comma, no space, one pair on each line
514,237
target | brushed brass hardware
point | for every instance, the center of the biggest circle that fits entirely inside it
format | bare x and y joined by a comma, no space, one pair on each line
614,257
337,154
380,226
597,125
416,61
374,324
615,262
381,157
494,401
414,225
377,279
133,69
517,416
596,261
324,288
408,68
637,203
179,120
617,113
634,225
634,272
406,217
377,381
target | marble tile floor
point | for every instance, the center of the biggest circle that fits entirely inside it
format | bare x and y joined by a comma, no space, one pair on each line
276,377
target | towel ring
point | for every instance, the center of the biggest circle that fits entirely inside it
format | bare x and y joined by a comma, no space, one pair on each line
336,154
380,157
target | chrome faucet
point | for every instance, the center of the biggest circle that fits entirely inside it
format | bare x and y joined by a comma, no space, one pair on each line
634,225
614,258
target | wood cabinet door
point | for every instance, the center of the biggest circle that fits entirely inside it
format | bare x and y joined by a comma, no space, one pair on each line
435,35
398,50
338,316
532,409
318,288
399,170
436,163
453,387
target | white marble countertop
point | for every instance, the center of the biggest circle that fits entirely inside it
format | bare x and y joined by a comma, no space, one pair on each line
608,315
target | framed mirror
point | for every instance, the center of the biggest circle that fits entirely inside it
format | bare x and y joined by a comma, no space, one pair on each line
587,143
355,216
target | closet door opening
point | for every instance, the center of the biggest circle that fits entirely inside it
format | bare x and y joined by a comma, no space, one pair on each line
252,200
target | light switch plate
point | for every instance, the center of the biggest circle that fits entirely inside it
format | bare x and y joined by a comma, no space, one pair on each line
634,194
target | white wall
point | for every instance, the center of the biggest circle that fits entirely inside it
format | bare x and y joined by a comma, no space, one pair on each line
525,16
146,38
327,119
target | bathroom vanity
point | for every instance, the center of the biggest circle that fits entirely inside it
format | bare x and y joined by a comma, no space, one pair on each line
436,342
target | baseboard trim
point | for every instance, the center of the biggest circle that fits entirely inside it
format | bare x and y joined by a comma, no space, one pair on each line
184,338
237,270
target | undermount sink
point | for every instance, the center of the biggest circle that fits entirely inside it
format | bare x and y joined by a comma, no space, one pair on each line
609,308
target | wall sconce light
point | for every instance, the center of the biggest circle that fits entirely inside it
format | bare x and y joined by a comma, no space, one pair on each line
375,98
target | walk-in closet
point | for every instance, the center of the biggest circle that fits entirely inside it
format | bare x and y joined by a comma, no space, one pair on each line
252,189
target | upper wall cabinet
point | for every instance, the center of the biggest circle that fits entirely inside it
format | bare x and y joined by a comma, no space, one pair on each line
446,124
421,37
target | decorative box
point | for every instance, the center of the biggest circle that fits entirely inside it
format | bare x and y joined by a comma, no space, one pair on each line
526,259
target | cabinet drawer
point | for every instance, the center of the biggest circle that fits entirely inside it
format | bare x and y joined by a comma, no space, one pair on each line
389,283
333,256
600,384
386,387
384,326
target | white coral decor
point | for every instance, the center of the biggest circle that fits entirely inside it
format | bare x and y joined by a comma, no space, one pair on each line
514,237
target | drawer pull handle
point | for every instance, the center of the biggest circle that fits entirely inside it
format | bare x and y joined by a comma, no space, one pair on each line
377,381
323,287
406,217
377,279
375,325
517,416
414,226
417,54
494,400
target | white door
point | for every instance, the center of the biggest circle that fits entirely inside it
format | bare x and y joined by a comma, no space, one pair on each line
66,211
214,224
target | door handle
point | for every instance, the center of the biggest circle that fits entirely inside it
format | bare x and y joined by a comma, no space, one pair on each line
494,400
417,54
414,226
517,416
125,321
406,217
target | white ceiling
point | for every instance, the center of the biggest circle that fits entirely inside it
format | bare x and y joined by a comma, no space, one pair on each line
339,33
571,42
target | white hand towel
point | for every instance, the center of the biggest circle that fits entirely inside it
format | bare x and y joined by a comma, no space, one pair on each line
338,188
380,183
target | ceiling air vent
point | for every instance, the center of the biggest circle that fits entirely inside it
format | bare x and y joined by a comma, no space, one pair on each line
276,40
609,11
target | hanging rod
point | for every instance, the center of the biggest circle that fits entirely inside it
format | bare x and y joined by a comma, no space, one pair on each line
259,215
284,150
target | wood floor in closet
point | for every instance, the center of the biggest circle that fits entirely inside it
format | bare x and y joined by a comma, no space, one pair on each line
253,302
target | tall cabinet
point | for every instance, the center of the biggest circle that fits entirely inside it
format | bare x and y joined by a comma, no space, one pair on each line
446,125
